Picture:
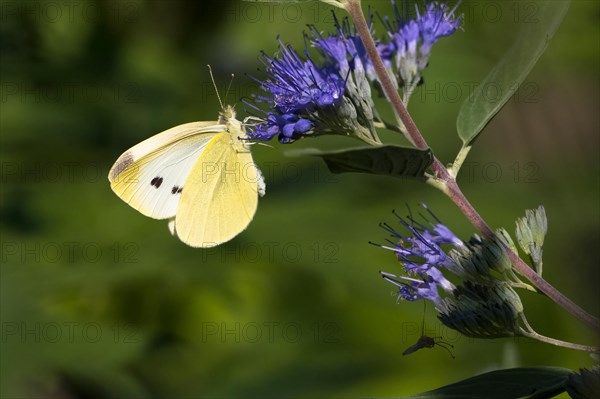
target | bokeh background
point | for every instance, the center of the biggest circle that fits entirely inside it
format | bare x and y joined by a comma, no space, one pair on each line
100,301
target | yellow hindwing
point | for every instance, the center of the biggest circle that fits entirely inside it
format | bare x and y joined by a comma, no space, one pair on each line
221,194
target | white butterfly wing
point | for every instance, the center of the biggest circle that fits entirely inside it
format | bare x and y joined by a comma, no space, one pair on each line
262,186
151,175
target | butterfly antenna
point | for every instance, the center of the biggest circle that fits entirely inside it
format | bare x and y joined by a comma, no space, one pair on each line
215,85
229,87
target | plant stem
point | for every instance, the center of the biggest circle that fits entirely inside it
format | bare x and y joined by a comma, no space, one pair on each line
460,158
558,342
531,333
467,209
354,9
451,188
523,286
516,282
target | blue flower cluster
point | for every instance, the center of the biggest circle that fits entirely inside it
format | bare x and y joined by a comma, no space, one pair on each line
297,88
421,255
482,304
331,94
411,40
306,97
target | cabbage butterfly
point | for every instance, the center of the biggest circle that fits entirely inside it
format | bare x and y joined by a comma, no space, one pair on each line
199,175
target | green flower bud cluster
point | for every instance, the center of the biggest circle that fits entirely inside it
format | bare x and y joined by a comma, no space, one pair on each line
483,311
530,233
477,278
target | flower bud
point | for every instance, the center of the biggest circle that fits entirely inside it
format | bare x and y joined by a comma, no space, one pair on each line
483,311
531,231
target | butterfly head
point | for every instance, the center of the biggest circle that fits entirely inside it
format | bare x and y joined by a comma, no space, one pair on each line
227,114
227,118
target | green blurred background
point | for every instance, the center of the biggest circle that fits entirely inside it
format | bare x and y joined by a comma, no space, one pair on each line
100,301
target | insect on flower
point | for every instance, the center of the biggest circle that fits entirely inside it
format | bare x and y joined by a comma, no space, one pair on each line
428,342
425,341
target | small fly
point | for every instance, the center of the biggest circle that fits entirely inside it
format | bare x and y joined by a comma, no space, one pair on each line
427,342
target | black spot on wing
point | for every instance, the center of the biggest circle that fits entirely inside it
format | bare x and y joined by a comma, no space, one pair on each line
156,182
176,190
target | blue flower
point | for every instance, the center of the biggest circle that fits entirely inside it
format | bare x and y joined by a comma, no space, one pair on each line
421,254
331,94
411,40
483,302
296,88
435,231
344,46
436,23
306,97
425,288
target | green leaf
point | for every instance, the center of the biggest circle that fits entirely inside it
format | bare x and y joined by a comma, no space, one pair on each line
388,160
522,383
506,77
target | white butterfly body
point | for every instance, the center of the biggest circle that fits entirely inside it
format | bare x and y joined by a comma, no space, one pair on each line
199,175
